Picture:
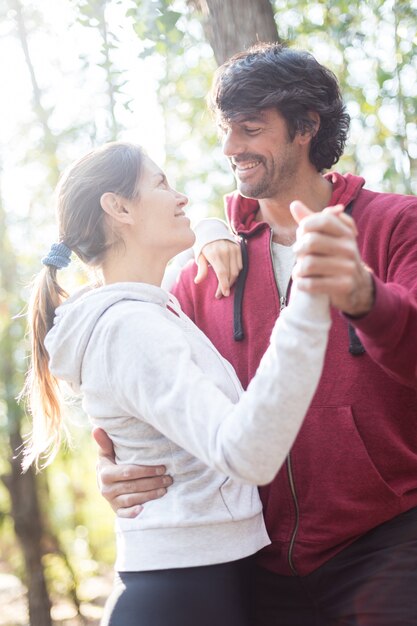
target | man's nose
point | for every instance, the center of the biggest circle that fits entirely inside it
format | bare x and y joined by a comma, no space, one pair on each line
232,144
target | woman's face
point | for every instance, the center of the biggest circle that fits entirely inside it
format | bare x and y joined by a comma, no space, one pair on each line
159,213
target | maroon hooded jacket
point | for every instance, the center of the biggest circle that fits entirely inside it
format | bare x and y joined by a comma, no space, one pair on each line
354,463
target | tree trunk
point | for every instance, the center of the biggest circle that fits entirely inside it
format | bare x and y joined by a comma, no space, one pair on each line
28,528
22,487
233,25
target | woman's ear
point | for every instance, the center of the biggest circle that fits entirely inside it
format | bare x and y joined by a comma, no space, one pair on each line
117,207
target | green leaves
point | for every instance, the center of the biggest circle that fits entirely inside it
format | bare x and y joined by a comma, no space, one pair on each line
372,48
156,25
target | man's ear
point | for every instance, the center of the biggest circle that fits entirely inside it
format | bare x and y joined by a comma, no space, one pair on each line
308,133
117,207
314,117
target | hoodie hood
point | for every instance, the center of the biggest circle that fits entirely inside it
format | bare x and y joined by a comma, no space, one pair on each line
77,317
241,212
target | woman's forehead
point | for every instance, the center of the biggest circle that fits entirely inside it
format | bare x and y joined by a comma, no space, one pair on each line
150,168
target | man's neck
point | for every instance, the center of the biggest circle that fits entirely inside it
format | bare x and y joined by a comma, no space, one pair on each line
315,192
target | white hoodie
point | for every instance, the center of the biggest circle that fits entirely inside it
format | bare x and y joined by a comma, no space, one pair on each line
165,395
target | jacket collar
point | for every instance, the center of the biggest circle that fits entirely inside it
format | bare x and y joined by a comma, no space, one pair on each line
241,212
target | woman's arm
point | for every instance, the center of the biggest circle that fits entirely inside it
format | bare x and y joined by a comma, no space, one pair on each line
214,245
248,440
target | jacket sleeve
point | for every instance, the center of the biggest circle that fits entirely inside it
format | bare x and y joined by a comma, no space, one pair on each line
389,331
157,380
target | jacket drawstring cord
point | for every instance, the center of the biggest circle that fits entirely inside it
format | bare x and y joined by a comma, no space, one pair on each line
238,333
355,345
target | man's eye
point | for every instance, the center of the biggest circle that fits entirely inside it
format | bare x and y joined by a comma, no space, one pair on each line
252,131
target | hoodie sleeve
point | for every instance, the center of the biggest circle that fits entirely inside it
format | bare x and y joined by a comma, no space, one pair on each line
174,268
184,289
389,332
157,380
208,230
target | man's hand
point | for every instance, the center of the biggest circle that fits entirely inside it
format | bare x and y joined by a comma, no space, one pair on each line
328,259
225,258
127,487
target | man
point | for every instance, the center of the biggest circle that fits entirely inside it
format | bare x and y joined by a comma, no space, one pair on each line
342,512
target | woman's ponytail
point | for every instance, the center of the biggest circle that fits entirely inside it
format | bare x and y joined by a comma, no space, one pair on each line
42,388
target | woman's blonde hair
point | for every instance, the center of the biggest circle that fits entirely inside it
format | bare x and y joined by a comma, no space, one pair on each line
115,167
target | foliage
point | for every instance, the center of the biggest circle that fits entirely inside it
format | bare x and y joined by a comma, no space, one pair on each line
376,79
372,48
168,30
92,14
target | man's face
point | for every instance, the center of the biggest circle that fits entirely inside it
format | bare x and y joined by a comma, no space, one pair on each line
263,157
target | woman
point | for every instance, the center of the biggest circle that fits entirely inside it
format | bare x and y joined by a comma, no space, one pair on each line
164,394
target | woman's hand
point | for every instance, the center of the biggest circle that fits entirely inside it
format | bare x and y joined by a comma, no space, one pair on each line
225,257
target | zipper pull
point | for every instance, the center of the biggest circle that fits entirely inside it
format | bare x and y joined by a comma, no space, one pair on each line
282,303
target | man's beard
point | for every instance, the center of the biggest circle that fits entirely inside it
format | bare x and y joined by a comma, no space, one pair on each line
274,181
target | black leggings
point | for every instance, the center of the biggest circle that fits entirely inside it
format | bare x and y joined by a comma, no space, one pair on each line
214,595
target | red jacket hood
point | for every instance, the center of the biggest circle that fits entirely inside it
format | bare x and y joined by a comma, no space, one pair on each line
241,212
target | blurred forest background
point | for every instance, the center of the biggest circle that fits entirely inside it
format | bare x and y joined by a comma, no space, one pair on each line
77,73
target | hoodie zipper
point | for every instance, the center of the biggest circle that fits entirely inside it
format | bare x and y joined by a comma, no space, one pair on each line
283,301
297,515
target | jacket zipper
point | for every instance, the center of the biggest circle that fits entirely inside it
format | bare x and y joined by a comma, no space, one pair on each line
297,515
283,301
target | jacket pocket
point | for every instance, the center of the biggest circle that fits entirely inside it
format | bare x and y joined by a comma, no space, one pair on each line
340,490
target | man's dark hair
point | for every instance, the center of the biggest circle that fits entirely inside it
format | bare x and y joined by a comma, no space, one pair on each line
294,83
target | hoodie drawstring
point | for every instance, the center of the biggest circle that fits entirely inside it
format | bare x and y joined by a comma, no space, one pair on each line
355,345
238,333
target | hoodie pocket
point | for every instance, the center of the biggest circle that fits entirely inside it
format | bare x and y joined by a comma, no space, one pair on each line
340,490
240,500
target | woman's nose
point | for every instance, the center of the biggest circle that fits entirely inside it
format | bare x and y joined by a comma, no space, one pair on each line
182,199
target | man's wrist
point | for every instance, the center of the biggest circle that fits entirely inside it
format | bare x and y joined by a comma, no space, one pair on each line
364,297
